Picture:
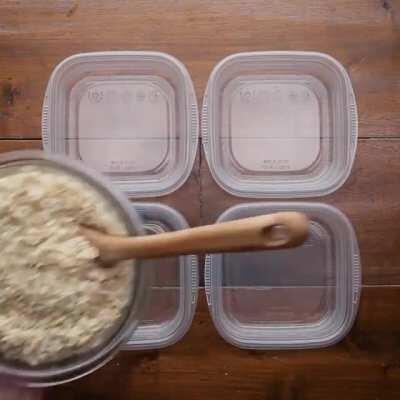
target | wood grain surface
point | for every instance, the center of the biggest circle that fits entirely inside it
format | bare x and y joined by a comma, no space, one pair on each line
202,365
364,36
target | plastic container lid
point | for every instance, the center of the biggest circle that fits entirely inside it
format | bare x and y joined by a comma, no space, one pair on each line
295,298
279,124
173,295
131,115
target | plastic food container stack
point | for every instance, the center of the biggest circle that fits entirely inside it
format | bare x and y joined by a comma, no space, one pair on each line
283,125
275,125
133,116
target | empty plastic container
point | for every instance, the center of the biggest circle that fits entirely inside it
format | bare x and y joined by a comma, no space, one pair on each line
131,115
172,298
303,297
279,124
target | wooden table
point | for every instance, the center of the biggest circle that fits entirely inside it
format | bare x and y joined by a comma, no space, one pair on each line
364,36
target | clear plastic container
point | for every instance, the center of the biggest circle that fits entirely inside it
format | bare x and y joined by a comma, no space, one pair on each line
131,115
279,124
304,297
172,298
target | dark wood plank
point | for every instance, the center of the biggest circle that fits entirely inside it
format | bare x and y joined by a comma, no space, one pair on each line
363,366
370,199
362,34
13,145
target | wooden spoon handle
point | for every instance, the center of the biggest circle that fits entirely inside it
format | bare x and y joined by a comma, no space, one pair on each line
273,231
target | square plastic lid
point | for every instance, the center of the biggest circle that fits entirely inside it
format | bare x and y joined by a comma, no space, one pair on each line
173,294
295,298
131,115
279,124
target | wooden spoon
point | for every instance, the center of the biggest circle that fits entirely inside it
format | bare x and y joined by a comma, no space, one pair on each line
264,232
